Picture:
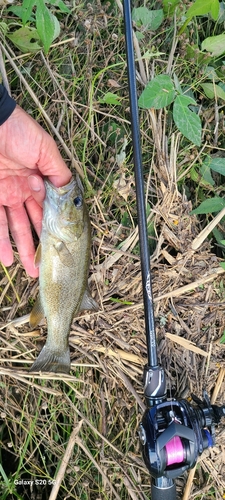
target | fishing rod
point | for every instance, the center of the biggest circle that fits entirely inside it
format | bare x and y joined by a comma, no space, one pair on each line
173,432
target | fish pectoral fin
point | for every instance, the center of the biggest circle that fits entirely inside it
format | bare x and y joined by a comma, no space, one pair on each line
52,360
64,254
37,257
37,314
88,303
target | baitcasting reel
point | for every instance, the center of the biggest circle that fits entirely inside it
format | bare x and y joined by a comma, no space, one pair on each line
174,433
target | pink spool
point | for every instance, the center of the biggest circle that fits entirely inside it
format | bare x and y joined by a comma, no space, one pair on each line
174,451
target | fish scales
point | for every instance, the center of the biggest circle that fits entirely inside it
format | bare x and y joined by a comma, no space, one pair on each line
64,264
62,287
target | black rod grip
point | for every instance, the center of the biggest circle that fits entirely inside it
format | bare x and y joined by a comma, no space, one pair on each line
165,493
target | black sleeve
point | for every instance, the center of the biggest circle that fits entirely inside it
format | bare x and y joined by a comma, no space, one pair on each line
7,105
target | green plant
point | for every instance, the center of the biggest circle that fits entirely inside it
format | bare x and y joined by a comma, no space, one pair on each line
215,203
146,19
222,340
40,27
164,90
201,8
161,92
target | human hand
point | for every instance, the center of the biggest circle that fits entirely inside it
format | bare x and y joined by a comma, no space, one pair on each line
27,153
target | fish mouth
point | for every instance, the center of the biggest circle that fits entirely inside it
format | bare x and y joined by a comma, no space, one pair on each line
62,190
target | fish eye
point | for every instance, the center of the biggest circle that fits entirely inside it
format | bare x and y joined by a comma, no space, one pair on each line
78,201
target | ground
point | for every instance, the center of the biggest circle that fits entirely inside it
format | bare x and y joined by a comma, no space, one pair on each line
88,421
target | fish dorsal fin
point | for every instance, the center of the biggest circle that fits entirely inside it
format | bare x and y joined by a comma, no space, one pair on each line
88,303
64,254
37,257
37,314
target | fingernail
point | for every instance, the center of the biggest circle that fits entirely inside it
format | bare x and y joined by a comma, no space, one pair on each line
34,183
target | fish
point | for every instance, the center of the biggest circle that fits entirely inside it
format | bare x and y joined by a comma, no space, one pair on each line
63,257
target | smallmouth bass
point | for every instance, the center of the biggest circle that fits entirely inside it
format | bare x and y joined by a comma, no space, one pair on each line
63,256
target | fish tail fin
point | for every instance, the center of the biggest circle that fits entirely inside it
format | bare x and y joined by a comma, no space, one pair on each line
50,360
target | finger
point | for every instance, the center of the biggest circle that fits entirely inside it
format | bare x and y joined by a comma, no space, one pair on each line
19,226
6,253
51,163
37,187
60,180
35,213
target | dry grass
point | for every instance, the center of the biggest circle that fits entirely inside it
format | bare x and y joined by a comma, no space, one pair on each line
83,429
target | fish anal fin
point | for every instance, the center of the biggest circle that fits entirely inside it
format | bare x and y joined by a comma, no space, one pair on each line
37,257
50,360
88,303
64,254
37,314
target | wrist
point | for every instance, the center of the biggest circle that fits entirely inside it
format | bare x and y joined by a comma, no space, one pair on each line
7,105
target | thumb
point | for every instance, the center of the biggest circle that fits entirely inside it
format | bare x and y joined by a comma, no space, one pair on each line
37,187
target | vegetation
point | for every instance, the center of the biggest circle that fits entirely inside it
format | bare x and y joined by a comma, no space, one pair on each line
66,65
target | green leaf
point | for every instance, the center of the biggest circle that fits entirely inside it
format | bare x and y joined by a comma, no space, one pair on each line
169,6
121,301
61,6
27,8
217,234
215,9
139,35
204,170
17,10
194,175
5,477
222,340
186,120
208,90
218,165
149,54
202,176
221,17
3,28
200,8
210,72
210,206
177,84
221,84
150,19
56,27
212,90
158,93
26,39
110,98
114,133
47,25
214,44
200,58
222,264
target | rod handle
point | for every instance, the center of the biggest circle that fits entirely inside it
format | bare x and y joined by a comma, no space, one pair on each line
163,490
